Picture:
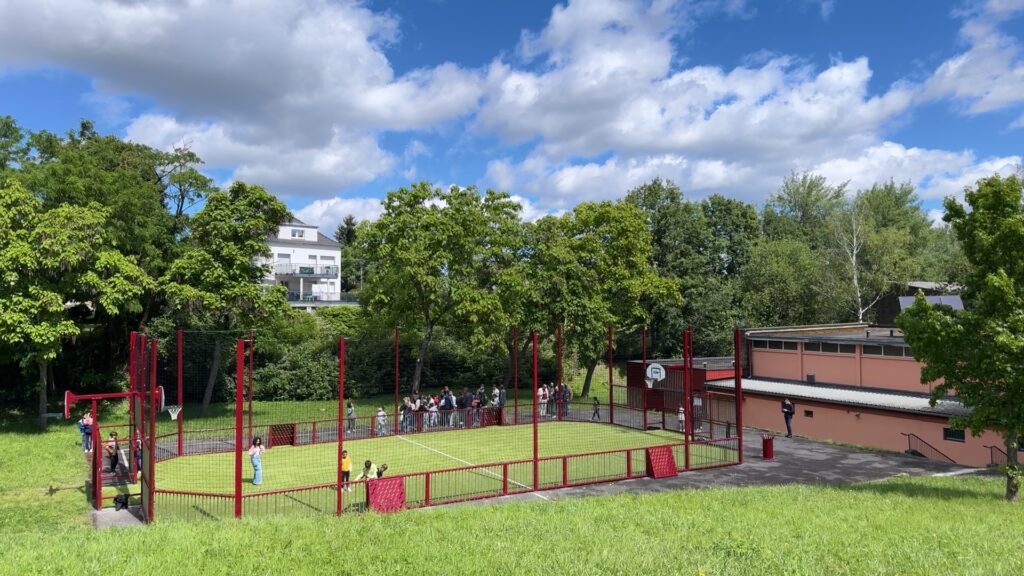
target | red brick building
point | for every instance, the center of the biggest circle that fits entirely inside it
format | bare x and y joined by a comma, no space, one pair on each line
853,383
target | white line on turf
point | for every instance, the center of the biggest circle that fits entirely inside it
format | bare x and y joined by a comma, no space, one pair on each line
425,447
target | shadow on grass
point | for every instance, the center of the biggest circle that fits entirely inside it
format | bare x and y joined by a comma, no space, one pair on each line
915,489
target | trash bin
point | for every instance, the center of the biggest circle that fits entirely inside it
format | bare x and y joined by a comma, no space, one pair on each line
768,446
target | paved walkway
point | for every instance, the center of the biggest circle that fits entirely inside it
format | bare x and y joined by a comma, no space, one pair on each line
797,461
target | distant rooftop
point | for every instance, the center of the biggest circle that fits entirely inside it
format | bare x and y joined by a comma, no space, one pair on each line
853,333
850,396
952,301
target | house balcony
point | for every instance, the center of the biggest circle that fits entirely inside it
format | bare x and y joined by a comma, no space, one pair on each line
318,299
305,271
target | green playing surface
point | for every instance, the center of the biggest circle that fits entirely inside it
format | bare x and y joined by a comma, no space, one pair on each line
298,466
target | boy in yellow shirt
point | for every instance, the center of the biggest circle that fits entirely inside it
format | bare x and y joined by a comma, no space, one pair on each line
346,471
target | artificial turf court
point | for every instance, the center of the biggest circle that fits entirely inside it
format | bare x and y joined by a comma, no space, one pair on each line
483,449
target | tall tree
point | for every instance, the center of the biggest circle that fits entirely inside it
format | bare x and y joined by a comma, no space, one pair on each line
734,227
53,263
433,257
802,209
217,282
786,284
978,352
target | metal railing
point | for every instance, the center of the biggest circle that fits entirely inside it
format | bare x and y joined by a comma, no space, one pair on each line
306,270
997,456
322,297
919,447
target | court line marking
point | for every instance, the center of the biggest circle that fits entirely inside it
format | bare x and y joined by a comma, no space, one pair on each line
436,451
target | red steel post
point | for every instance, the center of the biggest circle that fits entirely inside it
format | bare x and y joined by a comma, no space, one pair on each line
643,373
611,377
341,416
536,462
738,381
504,479
398,335
239,400
248,386
515,372
151,480
426,490
687,422
133,431
181,393
97,459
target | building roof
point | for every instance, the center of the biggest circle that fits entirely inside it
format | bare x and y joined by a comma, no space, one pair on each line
913,403
936,286
293,221
322,241
856,333
952,301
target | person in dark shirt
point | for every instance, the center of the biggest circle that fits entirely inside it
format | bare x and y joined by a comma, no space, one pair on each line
788,409
597,410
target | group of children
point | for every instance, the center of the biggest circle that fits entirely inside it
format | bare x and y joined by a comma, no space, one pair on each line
370,470
112,448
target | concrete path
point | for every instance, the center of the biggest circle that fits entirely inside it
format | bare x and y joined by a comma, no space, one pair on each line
797,461
108,518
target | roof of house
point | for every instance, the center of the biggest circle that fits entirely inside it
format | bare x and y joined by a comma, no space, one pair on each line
952,301
855,333
900,402
293,221
322,241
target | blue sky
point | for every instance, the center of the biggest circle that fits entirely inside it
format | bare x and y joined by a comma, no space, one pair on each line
331,103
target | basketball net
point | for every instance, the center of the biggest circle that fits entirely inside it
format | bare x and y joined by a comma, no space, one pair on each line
174,410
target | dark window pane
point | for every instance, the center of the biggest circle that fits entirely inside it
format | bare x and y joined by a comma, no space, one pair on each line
892,350
812,346
829,347
789,345
760,344
953,435
774,345
872,350
808,413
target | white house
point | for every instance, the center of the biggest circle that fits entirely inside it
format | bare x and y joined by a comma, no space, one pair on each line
307,263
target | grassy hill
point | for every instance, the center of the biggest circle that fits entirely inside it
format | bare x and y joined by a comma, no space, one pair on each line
899,526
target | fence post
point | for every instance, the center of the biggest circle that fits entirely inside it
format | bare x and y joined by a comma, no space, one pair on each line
738,381
504,479
398,335
687,394
558,373
151,480
248,387
97,459
629,463
643,373
341,416
426,490
565,471
181,392
515,372
239,400
611,377
536,464
133,431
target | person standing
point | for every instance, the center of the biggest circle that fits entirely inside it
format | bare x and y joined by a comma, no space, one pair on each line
559,392
566,398
112,449
350,414
596,416
256,459
788,409
542,400
382,421
502,396
85,428
346,471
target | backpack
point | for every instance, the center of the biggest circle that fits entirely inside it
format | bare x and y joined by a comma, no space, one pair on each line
120,502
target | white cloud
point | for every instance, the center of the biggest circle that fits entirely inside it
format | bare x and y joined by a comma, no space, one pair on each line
278,81
328,213
935,217
989,75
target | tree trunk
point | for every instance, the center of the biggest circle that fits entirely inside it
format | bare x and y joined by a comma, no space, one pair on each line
419,360
43,369
591,367
1012,488
211,378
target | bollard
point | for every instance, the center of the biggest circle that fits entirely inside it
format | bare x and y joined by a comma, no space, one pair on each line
768,446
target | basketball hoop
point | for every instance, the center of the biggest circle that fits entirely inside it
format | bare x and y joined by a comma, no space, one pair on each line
173,410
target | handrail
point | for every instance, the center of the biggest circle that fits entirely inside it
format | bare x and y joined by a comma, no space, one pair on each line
916,444
997,455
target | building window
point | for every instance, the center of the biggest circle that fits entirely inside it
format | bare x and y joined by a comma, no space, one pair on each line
808,413
830,347
871,350
812,346
907,353
892,350
760,343
847,349
298,233
789,346
774,345
953,435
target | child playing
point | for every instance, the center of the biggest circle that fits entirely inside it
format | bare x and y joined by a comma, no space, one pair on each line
255,457
112,449
369,472
85,427
346,471
597,411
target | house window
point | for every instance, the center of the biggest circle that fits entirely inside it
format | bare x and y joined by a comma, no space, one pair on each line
760,343
812,346
953,435
774,345
847,349
892,350
789,345
872,350
830,347
907,353
808,413
298,233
